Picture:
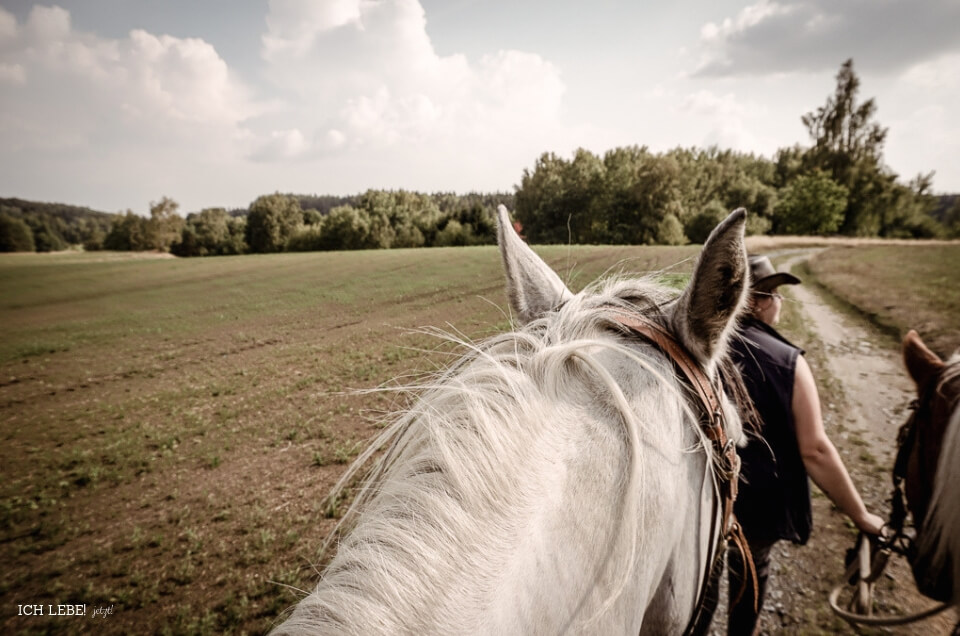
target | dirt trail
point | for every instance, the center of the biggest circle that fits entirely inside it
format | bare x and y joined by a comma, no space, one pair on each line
872,377
866,368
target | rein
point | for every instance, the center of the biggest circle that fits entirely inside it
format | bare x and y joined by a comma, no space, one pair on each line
727,463
895,540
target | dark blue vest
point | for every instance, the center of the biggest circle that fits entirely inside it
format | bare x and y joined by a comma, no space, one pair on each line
774,491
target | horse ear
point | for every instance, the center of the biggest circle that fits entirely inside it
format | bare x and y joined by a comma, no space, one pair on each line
533,288
707,309
922,364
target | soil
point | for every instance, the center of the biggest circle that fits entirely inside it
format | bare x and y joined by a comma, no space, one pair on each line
864,393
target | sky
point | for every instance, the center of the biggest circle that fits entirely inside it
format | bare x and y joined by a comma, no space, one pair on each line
113,104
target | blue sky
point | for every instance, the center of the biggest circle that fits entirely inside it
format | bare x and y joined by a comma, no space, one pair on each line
116,103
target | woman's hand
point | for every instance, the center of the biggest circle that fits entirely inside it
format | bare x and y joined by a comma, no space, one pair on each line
870,523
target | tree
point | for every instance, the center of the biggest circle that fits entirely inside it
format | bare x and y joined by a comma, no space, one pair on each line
210,232
312,217
45,236
732,179
700,225
345,228
656,195
128,232
165,225
811,204
15,235
848,146
951,220
556,202
908,209
272,220
614,214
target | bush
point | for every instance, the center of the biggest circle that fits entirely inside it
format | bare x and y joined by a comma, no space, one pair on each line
307,239
670,231
454,233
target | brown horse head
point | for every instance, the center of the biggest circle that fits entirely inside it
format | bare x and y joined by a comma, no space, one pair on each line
930,422
938,395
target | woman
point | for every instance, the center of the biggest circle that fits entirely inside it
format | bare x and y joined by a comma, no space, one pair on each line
773,502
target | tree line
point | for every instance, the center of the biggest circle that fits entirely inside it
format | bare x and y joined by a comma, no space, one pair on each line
630,195
275,222
838,185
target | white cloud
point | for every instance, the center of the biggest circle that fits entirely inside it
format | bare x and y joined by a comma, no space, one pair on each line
293,25
8,25
727,120
142,113
942,74
775,36
924,132
366,74
283,144
12,74
354,96
79,86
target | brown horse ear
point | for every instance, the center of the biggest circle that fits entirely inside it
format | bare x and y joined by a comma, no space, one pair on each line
922,364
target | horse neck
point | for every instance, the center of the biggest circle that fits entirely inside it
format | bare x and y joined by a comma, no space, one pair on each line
940,533
582,529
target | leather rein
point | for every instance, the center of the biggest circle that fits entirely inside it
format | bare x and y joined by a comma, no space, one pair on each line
726,465
895,539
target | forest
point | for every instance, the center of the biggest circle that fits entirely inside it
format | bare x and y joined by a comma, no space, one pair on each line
837,185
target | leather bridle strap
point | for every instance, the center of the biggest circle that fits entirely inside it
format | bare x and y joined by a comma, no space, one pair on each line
727,463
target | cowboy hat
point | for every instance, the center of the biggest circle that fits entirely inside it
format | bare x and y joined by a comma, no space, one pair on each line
765,278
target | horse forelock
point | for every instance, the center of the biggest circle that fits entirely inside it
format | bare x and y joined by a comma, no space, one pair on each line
481,442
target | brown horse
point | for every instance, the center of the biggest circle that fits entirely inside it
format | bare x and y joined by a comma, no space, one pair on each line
930,466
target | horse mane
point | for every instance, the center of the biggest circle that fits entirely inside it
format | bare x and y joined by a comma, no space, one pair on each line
942,529
463,450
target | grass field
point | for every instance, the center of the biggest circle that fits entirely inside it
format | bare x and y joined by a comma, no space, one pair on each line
899,287
170,427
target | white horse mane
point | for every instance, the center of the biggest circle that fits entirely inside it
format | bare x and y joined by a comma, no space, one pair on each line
433,479
555,479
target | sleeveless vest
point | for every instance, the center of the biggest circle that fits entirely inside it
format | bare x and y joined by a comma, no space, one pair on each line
773,501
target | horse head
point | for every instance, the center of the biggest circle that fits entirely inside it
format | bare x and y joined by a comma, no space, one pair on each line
556,478
931,470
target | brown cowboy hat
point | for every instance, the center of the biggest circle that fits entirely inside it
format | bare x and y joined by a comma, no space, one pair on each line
765,278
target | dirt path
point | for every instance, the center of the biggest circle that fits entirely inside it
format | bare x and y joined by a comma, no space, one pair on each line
871,377
864,406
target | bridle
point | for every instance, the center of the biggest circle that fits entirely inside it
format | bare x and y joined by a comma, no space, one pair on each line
726,465
899,541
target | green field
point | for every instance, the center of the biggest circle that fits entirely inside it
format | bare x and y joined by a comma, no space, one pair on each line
171,426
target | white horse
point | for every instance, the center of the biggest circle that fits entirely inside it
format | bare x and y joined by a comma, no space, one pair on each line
556,479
